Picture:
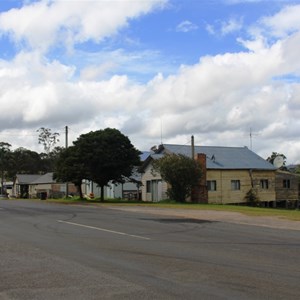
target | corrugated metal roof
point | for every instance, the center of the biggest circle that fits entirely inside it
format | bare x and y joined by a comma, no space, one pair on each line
144,155
27,178
218,157
46,178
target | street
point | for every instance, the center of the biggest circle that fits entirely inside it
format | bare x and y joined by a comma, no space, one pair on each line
52,251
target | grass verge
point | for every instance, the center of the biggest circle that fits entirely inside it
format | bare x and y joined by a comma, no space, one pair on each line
289,214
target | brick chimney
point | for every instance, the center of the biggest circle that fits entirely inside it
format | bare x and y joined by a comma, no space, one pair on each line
199,192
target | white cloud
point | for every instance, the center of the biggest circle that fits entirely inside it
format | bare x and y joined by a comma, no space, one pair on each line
225,27
232,25
217,99
283,23
186,26
210,29
94,72
44,23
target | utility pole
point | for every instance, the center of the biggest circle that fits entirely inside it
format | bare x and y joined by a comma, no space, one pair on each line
193,147
66,137
67,186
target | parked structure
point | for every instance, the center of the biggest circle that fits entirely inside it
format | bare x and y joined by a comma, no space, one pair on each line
40,186
228,174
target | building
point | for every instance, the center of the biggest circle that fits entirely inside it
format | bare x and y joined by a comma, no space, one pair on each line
40,186
228,174
287,189
129,189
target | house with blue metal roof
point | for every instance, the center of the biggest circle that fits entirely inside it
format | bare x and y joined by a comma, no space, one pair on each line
228,174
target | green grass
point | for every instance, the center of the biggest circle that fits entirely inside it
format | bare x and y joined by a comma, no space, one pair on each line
290,214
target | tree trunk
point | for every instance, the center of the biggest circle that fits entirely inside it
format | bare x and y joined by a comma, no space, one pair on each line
80,192
79,188
102,193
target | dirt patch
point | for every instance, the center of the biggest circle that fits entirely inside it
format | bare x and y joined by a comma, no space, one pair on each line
212,215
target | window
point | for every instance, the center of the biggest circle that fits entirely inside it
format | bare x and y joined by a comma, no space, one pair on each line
264,184
235,185
286,183
211,185
148,186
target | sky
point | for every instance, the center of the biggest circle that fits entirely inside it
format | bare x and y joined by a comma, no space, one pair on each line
225,71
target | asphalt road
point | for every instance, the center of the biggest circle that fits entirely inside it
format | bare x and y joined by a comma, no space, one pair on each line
50,251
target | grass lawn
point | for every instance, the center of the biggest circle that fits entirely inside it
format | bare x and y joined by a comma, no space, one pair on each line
290,214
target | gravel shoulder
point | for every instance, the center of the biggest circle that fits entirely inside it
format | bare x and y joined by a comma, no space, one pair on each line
211,215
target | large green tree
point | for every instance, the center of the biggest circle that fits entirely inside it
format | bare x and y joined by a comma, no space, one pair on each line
107,155
70,167
181,172
24,161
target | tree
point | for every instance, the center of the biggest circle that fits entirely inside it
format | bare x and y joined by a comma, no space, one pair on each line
47,138
24,161
252,198
181,172
106,155
48,160
69,167
5,160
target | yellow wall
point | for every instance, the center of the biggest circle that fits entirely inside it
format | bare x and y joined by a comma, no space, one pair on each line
224,194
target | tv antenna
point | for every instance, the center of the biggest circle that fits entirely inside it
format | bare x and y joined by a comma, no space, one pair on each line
251,134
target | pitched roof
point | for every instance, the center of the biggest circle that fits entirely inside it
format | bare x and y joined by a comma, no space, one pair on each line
218,157
144,155
27,178
35,178
46,178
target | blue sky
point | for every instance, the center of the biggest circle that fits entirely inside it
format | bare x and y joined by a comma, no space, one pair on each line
158,70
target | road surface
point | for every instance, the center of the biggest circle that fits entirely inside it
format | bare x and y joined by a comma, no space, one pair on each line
51,251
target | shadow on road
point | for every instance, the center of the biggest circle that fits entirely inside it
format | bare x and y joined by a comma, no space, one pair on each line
180,220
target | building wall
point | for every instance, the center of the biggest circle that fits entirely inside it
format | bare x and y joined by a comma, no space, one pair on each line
127,190
52,189
225,194
287,186
36,189
58,188
159,187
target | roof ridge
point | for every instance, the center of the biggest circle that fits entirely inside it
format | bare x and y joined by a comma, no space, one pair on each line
209,146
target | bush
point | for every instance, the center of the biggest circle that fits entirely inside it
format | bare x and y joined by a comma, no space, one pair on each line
252,198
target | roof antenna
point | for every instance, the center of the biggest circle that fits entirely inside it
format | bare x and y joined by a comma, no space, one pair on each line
251,136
